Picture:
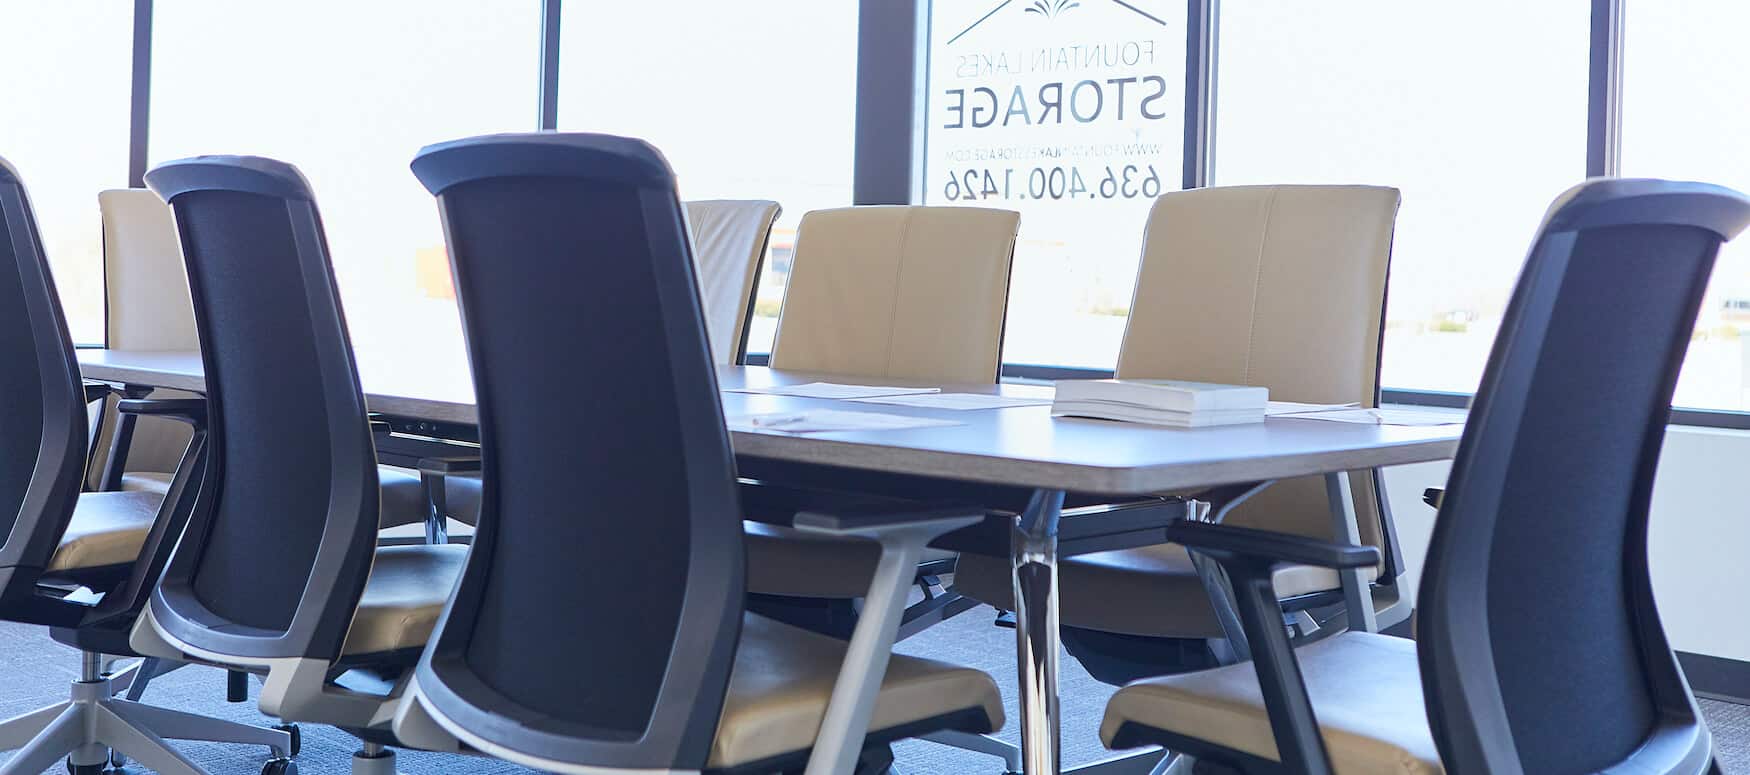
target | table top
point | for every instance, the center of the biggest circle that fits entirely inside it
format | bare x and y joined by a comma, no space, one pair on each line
1021,446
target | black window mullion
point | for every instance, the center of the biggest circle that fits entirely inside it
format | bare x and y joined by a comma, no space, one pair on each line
547,104
1201,20
140,94
892,57
1604,90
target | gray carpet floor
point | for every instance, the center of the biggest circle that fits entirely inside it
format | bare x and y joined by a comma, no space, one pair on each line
34,671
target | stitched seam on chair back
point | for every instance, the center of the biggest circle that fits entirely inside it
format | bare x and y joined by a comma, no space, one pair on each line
898,288
1257,283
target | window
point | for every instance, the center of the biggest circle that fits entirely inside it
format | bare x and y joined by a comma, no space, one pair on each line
1478,116
1071,113
1685,117
349,92
747,101
64,125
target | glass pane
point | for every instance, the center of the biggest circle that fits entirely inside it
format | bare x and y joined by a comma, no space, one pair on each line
349,92
70,63
747,101
1685,116
1478,117
1073,114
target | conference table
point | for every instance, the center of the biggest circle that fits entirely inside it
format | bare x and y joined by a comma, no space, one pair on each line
1018,460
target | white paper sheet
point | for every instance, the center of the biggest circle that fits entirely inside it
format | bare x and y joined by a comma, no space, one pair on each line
833,390
1284,408
1410,417
959,401
831,420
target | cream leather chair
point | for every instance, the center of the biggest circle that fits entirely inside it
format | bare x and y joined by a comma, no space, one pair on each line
910,292
886,292
881,293
149,309
1280,286
730,238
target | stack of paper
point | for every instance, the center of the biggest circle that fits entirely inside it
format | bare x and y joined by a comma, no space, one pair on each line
1161,402
1295,408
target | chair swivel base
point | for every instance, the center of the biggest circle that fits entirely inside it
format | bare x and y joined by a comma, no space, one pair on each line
985,744
85,729
373,759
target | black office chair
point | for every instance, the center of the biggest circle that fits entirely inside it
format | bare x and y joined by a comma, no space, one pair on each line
600,622
80,564
1539,647
279,573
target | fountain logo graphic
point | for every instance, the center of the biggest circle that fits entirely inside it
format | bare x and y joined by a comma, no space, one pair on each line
1051,8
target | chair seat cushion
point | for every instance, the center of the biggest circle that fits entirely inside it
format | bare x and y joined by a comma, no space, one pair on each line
403,499
1152,591
403,598
108,528
461,497
1366,691
783,561
783,677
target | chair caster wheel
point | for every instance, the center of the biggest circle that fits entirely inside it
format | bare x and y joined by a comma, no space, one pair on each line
280,767
84,769
297,737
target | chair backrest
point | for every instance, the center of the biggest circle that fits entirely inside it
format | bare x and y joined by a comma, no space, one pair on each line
42,419
729,243
1278,286
609,538
1541,649
276,556
148,308
148,305
898,291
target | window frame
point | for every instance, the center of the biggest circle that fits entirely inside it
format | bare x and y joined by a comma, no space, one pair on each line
892,65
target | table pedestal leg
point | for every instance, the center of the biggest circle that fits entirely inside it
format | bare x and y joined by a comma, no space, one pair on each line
1357,596
1034,557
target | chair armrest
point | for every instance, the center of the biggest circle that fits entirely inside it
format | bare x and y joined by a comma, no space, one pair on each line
97,391
444,466
190,410
1433,496
1249,558
1227,541
902,528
